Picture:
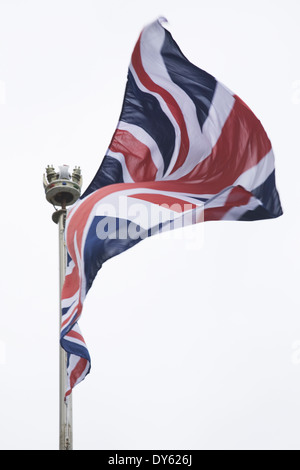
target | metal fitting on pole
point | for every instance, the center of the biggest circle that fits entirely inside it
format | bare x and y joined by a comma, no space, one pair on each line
61,188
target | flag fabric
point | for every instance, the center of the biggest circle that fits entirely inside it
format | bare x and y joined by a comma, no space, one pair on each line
186,149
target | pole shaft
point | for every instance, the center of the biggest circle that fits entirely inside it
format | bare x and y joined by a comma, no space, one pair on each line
65,406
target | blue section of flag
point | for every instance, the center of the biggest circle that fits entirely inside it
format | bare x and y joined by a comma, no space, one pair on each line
110,172
198,85
108,237
268,195
75,349
144,110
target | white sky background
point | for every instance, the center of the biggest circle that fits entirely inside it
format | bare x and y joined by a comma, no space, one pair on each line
191,348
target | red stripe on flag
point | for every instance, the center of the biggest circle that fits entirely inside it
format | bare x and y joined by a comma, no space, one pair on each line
172,203
215,213
70,286
172,104
137,155
74,334
241,145
238,196
77,371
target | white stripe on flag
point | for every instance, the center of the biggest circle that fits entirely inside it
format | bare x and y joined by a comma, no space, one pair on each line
258,174
120,157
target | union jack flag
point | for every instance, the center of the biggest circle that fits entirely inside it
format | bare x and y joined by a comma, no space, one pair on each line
185,147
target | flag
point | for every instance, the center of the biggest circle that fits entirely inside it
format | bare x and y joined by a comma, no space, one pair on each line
186,149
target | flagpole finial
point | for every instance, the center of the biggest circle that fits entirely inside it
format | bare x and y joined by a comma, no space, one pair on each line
62,188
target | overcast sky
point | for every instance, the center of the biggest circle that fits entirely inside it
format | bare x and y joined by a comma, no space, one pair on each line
193,345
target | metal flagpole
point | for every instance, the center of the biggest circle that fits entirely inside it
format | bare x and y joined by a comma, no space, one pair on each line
63,189
65,406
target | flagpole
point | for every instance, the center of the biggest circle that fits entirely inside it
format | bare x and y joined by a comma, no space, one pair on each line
65,406
63,189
